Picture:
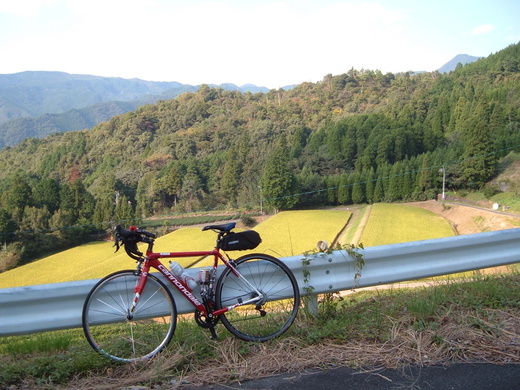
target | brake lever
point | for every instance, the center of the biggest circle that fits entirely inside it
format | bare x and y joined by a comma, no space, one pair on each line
117,237
116,244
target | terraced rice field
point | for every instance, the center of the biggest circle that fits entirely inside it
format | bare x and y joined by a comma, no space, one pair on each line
395,223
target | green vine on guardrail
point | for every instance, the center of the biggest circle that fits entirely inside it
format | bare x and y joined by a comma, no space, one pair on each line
353,251
322,252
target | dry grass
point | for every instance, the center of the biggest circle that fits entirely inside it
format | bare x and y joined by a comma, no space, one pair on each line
477,320
496,342
490,336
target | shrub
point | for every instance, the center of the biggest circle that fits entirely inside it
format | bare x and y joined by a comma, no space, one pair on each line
490,191
248,221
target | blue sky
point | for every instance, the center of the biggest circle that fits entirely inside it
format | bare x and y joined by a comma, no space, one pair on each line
267,43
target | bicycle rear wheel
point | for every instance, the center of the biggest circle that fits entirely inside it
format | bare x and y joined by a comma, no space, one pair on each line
113,331
274,313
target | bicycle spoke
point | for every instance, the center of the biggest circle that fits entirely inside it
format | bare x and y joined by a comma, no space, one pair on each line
278,300
106,317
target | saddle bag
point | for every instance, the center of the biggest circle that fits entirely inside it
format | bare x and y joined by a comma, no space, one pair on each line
240,241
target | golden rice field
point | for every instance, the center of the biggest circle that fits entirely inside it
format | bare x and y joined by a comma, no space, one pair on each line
286,233
391,223
291,233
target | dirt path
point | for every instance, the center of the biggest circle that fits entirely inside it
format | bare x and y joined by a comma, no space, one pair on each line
362,224
467,219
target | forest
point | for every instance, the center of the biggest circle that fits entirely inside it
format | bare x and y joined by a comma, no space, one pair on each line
362,136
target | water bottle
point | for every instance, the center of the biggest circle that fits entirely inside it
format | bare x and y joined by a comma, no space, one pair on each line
180,273
204,278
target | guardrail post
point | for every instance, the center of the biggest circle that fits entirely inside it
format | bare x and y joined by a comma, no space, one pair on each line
310,302
321,264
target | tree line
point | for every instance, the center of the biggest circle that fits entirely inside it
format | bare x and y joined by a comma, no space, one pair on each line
361,136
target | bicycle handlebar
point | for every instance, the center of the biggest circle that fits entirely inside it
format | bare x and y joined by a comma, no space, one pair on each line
130,238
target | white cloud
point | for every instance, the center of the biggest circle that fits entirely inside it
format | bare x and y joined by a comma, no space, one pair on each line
484,29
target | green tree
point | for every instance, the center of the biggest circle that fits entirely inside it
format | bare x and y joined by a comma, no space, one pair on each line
47,194
332,189
370,185
277,181
124,213
358,188
379,194
60,222
344,190
103,213
17,196
145,194
479,159
7,227
395,183
406,181
424,182
231,176
192,190
77,201
35,219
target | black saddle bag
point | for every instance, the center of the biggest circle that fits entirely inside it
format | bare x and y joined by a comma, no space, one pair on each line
240,241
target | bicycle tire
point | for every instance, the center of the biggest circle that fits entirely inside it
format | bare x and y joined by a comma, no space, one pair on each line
111,333
279,307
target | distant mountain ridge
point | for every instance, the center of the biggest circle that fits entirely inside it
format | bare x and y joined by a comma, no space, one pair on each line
462,59
39,103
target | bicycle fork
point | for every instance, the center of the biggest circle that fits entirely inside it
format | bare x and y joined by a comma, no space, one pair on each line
137,294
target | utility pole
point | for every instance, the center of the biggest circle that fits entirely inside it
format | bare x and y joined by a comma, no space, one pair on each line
261,200
443,170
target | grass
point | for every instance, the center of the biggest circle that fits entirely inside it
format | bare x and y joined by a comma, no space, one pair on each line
349,234
395,223
154,223
476,319
510,200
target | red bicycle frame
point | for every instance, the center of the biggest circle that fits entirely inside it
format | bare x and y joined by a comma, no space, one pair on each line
151,260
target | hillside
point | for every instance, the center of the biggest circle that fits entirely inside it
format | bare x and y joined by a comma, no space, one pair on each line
467,219
357,137
37,104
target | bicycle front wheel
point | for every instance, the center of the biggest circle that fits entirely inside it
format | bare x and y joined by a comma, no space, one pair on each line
113,331
273,313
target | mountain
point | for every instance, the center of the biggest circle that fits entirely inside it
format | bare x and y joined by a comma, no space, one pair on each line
36,103
458,59
14,131
35,93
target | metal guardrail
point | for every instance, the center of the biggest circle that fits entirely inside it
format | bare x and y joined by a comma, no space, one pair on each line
32,309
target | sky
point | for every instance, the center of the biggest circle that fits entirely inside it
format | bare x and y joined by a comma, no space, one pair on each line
269,43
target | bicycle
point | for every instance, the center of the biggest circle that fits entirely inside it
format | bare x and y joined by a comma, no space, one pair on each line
131,315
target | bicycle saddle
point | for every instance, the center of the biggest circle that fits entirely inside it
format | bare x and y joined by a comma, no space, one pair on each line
221,228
